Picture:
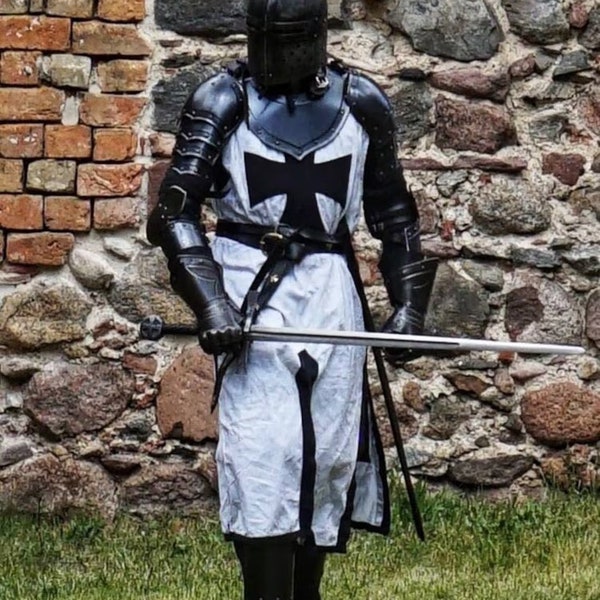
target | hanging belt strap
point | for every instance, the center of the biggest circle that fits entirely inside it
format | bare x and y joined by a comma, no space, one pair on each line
387,395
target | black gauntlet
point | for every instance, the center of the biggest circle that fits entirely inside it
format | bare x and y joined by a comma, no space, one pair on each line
197,279
408,278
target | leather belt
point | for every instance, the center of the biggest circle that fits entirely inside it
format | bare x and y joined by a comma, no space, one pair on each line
295,242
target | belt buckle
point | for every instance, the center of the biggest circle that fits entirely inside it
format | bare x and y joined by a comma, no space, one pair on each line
270,241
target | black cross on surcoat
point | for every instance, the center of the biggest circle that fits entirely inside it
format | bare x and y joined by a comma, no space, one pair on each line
301,181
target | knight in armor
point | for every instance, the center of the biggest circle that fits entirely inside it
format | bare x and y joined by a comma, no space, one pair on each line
291,150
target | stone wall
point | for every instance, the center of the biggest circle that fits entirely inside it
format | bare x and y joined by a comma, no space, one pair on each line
498,111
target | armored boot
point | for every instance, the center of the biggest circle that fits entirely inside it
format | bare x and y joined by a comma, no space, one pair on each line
267,569
308,572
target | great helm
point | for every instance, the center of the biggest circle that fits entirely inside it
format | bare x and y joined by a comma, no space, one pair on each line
287,40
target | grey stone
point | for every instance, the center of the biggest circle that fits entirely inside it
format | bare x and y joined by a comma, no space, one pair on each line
533,257
122,464
68,70
495,471
38,315
449,182
538,21
590,37
211,18
585,260
587,198
122,249
412,104
90,269
527,370
548,128
416,457
458,307
499,401
573,62
144,289
169,95
511,206
490,276
57,176
66,400
19,368
447,415
12,452
464,31
167,488
544,60
592,317
48,485
138,425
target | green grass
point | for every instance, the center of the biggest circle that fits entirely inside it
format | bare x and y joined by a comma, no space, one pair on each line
474,551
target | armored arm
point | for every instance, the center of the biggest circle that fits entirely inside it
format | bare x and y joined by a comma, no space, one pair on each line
391,212
210,115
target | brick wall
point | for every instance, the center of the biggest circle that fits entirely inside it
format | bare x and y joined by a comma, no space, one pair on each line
71,74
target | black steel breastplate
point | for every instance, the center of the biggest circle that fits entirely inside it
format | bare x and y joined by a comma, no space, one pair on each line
312,123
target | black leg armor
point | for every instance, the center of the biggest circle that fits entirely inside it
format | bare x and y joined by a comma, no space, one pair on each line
267,569
308,572
280,570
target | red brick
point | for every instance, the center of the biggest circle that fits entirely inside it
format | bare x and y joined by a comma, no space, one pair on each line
35,104
72,141
110,111
35,33
114,144
118,10
123,75
67,213
116,213
11,175
21,212
44,248
20,68
94,180
21,141
108,39
79,9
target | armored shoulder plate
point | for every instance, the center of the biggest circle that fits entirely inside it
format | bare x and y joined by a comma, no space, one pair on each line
371,108
209,117
303,126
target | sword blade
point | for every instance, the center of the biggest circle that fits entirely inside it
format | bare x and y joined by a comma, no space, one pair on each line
393,340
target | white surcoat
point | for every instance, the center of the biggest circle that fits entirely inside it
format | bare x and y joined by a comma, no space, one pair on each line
290,413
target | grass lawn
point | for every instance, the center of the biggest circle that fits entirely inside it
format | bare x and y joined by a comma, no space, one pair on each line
474,551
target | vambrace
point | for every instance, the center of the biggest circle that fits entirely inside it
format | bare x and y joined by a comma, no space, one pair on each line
209,117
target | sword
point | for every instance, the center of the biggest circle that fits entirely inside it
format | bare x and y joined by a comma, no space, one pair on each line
154,328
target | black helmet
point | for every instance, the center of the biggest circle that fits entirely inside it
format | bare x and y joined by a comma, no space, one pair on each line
287,40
